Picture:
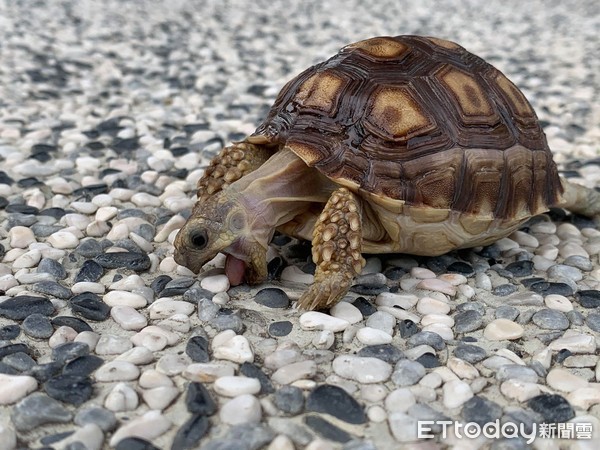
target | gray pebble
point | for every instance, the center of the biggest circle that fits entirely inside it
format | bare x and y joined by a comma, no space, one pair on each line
562,271
471,306
466,321
481,410
470,353
53,289
551,319
407,373
289,399
506,312
575,317
227,322
38,326
427,338
504,289
593,321
207,309
36,410
20,361
104,418
511,371
581,262
53,267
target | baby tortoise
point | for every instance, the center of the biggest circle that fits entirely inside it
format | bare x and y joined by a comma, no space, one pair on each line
401,144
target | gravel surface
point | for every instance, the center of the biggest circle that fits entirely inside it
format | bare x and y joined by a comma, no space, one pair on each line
108,113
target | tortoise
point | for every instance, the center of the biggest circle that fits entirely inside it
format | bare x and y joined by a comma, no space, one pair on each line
405,144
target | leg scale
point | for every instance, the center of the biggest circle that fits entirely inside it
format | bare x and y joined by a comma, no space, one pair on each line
336,250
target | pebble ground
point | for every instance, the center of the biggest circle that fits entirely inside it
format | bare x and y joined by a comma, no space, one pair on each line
108,113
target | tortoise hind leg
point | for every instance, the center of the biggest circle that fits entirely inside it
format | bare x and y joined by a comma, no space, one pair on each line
336,250
581,200
231,164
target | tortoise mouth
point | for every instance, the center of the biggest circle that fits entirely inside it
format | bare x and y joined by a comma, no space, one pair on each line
235,270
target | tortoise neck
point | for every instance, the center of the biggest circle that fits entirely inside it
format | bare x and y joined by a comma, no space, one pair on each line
279,190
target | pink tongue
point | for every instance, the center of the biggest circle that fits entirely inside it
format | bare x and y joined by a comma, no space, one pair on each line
234,269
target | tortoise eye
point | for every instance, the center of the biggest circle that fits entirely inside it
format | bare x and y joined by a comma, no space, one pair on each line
199,239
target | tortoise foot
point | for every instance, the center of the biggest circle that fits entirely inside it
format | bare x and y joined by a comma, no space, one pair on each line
337,242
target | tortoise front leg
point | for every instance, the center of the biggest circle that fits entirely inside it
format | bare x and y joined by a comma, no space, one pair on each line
336,250
231,164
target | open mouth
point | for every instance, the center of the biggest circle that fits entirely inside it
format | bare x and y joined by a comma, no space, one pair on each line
234,269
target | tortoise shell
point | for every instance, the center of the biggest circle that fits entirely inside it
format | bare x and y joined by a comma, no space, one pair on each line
419,121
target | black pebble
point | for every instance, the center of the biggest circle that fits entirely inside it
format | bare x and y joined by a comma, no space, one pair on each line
553,407
197,349
467,321
369,289
5,179
289,399
428,338
38,326
504,289
561,355
191,432
334,400
135,443
280,329
53,289
588,298
69,388
272,298
53,438
13,348
407,328
138,262
159,283
52,267
90,306
68,351
364,306
43,372
19,361
470,353
253,371
3,202
481,410
21,209
326,429
9,332
547,288
56,213
8,370
83,366
428,360
275,267
18,308
520,268
528,282
198,400
461,267
90,271
89,248
394,273
73,322
385,352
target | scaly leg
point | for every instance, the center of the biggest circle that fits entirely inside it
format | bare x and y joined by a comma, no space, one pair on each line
581,200
336,250
230,165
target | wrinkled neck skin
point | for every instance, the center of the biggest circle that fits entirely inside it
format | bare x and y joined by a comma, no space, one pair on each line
282,188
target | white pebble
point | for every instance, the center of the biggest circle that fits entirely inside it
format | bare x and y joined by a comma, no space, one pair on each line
373,336
456,393
160,397
404,301
27,259
428,305
519,390
563,380
87,286
295,371
294,274
215,283
149,426
232,386
400,399
207,372
236,349
111,344
14,387
462,368
558,302
117,371
346,311
137,355
88,337
166,307
128,318
242,409
20,237
421,273
62,335
501,329
585,397
323,339
142,199
124,298
575,342
121,397
314,320
363,370
435,284
63,240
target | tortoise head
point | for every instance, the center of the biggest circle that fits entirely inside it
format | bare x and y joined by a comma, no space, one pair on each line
221,224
